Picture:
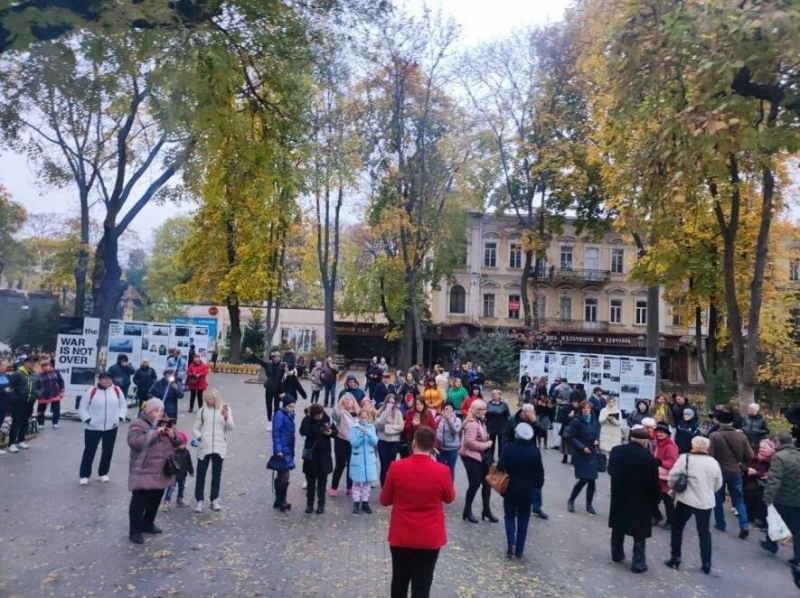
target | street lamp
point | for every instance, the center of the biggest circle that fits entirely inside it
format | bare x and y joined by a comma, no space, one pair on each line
640,341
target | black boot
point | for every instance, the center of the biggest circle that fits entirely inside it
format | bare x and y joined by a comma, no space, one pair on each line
309,508
564,460
468,516
356,508
284,506
320,508
366,508
487,514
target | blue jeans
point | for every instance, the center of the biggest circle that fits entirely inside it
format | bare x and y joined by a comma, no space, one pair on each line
536,503
330,393
517,517
449,458
181,484
733,482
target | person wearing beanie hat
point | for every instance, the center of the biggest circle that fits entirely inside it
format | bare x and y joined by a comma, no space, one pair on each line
522,461
666,453
183,461
685,430
283,430
731,450
152,441
635,493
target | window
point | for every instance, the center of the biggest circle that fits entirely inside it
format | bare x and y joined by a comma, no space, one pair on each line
566,258
490,255
677,315
590,309
458,300
615,311
591,259
641,313
515,256
513,307
617,260
488,305
565,309
796,319
794,271
541,306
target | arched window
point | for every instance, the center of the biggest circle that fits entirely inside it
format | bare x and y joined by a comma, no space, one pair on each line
458,300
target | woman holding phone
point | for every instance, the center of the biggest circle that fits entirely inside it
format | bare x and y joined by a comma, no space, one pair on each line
211,427
610,426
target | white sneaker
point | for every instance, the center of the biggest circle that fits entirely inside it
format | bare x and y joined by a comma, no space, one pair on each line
12,448
55,426
305,484
84,481
2,452
105,478
199,507
269,426
23,445
215,505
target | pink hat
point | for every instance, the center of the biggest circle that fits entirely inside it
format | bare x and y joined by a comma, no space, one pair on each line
183,437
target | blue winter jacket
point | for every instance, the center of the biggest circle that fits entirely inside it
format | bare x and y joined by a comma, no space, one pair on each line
283,436
363,466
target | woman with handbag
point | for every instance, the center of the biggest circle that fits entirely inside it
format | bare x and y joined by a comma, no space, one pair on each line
584,434
318,430
152,442
522,461
476,456
211,426
610,426
695,479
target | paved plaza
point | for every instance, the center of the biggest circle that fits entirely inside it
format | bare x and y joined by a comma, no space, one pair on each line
60,539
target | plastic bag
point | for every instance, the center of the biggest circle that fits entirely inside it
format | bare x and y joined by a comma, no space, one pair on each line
777,529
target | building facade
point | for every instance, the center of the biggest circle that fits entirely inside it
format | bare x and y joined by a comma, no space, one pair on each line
583,295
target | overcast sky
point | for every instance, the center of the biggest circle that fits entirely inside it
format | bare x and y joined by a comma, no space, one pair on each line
480,20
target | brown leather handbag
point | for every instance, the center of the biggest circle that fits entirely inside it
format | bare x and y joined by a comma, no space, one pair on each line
497,479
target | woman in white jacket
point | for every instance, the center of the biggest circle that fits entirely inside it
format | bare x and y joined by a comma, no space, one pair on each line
610,426
211,425
102,408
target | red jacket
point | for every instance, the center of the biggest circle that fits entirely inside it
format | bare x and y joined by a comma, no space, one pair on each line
428,420
417,487
196,376
667,452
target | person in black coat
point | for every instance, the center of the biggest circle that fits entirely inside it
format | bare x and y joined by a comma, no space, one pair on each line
522,461
144,378
318,430
273,380
635,492
291,385
584,434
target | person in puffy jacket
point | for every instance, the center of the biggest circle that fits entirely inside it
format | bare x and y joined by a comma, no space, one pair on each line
390,425
196,381
152,441
363,467
318,430
667,454
121,373
144,378
433,397
169,391
211,426
474,443
754,426
686,430
283,446
102,409
448,438
52,392
26,388
352,388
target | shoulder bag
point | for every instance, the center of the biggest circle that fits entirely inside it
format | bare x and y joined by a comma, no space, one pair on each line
682,483
497,479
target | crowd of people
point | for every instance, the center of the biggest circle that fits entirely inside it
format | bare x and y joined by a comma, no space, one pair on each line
658,455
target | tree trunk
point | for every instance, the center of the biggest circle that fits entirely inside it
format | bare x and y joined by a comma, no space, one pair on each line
407,345
698,341
653,333
82,268
330,329
526,300
107,285
236,330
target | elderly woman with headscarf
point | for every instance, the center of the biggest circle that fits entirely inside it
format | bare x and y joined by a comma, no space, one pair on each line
755,478
152,441
754,426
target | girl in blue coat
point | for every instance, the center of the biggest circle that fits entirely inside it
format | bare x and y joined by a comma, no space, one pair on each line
363,467
283,446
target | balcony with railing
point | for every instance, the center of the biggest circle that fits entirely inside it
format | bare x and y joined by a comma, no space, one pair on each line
576,325
578,277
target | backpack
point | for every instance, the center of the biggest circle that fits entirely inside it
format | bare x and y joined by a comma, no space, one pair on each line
94,392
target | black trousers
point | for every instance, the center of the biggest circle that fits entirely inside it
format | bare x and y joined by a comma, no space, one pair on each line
316,486
341,449
387,452
669,507
55,411
476,476
91,438
590,488
497,444
273,400
702,518
618,550
314,396
143,509
195,394
21,412
412,566
216,475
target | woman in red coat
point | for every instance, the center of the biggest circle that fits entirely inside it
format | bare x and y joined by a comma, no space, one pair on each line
419,417
196,382
667,454
416,488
